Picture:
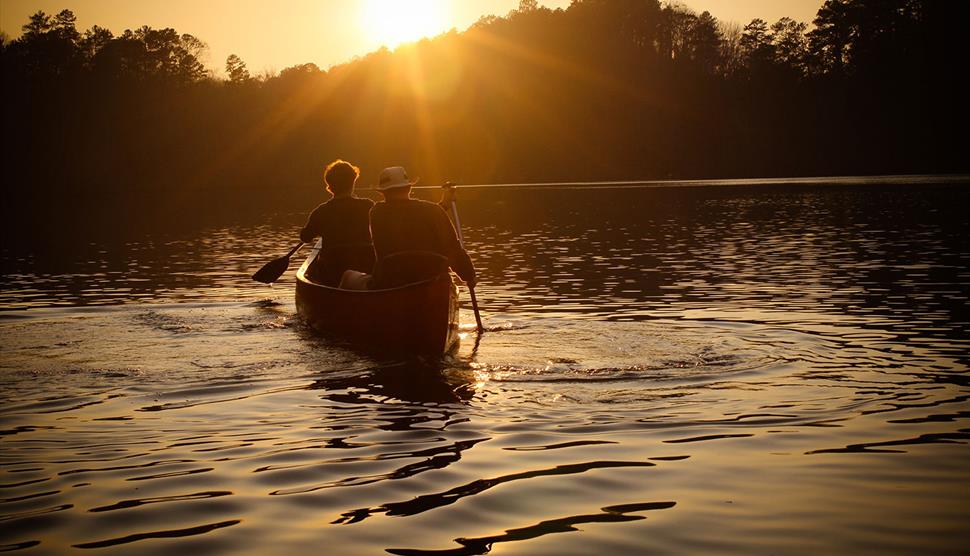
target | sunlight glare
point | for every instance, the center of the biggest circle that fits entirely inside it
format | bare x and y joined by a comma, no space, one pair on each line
392,22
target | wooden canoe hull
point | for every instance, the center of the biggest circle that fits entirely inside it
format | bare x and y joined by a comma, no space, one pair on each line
417,319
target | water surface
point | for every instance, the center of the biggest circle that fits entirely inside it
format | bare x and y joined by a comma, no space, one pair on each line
779,368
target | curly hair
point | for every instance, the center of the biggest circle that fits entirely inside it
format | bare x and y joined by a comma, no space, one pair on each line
340,177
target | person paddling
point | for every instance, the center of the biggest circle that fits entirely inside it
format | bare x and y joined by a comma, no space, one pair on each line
413,239
343,224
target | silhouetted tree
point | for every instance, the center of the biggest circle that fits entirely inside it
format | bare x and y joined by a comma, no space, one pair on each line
732,55
757,47
93,40
790,43
48,45
236,70
300,70
704,42
674,35
831,37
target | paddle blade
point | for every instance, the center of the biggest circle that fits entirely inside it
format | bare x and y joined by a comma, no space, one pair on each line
272,270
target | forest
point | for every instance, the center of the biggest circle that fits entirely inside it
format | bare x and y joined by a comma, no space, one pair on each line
603,90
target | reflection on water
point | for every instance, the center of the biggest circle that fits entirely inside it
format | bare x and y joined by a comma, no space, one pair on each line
714,370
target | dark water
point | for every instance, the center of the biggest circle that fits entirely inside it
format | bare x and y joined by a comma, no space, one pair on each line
727,369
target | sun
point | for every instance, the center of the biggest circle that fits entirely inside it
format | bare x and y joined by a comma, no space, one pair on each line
392,22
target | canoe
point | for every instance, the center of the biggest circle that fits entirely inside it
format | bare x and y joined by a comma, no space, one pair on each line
414,319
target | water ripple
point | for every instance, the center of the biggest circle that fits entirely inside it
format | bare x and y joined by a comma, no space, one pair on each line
483,545
428,502
171,533
142,501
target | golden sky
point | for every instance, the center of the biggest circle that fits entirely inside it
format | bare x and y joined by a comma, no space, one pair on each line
272,35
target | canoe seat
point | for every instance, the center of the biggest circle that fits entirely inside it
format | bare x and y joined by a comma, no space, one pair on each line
407,267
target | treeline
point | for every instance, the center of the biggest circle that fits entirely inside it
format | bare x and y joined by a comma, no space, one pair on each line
606,89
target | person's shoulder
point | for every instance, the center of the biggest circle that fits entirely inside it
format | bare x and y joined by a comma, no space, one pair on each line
318,209
363,201
427,205
378,210
344,203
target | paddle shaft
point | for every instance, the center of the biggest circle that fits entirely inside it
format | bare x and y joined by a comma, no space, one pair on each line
294,250
471,288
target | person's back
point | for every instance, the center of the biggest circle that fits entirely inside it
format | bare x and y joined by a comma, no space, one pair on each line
401,225
339,221
343,224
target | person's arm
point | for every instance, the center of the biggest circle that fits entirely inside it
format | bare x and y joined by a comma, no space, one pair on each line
310,229
448,196
458,258
377,232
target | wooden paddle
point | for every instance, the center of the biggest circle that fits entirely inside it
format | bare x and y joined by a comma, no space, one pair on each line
272,270
461,240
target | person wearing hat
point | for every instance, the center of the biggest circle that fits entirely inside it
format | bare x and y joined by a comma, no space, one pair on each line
417,235
343,223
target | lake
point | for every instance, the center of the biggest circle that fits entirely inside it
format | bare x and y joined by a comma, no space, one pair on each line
733,367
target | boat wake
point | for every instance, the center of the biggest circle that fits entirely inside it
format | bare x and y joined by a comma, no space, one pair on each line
583,350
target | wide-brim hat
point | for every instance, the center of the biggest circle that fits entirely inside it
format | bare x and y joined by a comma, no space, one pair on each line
395,176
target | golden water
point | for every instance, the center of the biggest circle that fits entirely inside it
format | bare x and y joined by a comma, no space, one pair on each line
776,370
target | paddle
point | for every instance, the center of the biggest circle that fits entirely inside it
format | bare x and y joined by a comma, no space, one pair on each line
272,270
461,240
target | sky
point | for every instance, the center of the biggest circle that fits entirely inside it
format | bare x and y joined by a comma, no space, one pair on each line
270,35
